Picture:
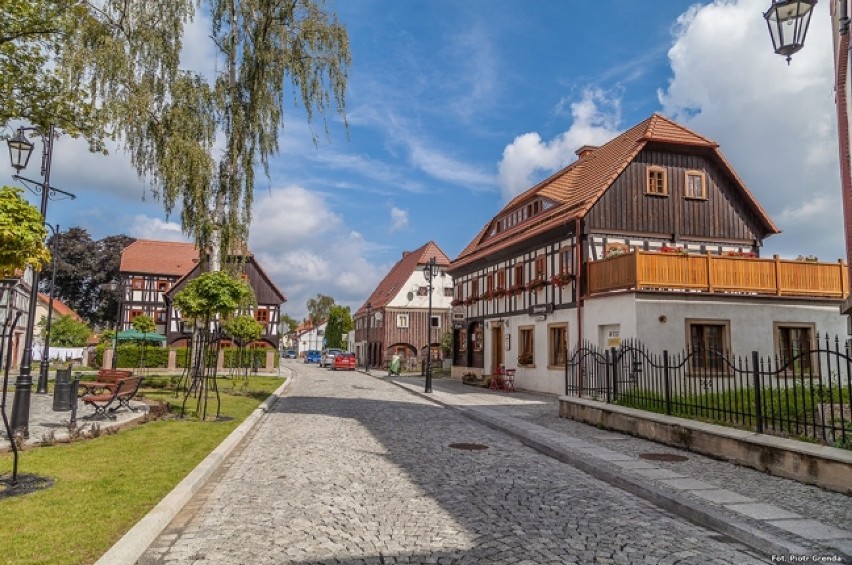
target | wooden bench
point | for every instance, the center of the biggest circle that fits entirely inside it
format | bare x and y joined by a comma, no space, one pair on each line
122,392
105,380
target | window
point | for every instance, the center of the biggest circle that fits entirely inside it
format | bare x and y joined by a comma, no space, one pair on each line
435,322
489,282
160,316
566,260
448,291
474,287
137,283
657,181
261,315
540,267
793,343
477,338
708,342
163,286
459,292
422,291
519,274
695,185
402,320
501,279
135,314
526,355
558,345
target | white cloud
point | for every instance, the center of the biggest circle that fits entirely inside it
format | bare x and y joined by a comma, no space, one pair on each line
306,249
399,219
529,158
146,227
775,123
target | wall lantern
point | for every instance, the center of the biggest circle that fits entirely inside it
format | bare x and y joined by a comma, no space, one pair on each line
20,149
788,22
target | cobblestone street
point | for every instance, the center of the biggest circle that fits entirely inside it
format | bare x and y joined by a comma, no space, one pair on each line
351,469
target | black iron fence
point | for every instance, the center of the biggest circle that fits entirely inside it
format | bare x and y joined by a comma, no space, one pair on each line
803,393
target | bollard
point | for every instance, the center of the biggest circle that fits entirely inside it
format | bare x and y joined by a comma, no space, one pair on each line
62,390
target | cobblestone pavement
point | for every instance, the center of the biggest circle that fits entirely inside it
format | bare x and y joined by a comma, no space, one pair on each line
348,468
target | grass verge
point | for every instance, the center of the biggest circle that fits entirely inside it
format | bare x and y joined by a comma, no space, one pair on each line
104,486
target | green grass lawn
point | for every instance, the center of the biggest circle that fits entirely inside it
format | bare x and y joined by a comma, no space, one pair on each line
103,486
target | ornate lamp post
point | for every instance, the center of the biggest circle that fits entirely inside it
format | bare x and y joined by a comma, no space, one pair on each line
20,149
113,287
44,368
788,22
430,272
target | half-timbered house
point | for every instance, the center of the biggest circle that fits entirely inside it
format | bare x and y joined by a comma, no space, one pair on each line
395,318
652,235
152,271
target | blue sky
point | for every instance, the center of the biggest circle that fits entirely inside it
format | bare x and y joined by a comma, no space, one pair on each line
454,107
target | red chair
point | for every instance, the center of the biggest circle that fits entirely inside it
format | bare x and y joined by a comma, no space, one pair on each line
509,380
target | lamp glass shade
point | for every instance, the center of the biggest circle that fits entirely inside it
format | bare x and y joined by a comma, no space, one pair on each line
20,149
788,22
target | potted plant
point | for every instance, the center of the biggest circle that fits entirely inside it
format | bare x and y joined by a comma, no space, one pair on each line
561,278
537,283
525,358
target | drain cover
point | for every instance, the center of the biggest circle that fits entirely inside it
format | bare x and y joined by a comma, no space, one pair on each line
469,446
663,457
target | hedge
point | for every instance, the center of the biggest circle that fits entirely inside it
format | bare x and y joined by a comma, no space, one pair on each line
130,355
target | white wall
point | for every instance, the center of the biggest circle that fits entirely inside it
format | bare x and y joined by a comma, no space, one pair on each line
416,280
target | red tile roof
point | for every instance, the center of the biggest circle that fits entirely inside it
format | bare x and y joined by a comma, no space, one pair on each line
159,257
577,187
388,288
59,307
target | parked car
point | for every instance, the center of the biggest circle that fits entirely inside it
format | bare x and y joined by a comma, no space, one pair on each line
312,356
327,358
344,361
290,354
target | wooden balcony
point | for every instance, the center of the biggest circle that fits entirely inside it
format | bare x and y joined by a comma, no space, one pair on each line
718,274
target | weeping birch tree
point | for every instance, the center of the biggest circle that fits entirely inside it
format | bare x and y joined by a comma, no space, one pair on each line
120,61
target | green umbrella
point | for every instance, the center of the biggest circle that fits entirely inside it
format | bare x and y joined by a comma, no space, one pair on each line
136,335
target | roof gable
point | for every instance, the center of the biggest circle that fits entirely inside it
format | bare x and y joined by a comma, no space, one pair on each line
577,187
389,286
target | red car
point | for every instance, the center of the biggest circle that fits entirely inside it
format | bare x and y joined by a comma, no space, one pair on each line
344,361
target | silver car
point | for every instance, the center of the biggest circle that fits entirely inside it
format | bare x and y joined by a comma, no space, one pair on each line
327,357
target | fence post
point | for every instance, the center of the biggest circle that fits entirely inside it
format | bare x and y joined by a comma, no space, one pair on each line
758,404
607,375
614,373
667,382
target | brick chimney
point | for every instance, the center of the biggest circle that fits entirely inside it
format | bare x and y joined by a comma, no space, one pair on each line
585,151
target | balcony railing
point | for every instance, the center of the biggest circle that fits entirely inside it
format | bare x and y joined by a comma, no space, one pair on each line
720,274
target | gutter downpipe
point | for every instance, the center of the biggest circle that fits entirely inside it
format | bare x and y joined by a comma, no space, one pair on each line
578,289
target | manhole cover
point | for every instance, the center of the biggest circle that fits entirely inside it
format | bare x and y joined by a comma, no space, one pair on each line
469,446
671,457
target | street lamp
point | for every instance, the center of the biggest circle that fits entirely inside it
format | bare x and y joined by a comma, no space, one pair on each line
788,22
44,368
20,149
369,305
429,271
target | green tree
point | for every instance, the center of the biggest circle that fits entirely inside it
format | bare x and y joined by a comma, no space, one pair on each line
319,308
65,331
289,322
144,324
210,294
244,329
339,325
22,234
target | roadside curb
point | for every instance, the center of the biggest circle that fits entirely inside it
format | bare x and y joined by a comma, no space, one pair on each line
750,535
133,544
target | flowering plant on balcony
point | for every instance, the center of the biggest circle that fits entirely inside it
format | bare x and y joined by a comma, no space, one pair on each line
456,302
537,283
525,358
561,278
747,254
672,249
516,288
471,300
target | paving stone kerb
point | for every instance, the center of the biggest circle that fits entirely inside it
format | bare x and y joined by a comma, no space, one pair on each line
133,544
827,467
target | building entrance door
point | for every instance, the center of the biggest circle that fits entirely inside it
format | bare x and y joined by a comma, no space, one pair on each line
496,347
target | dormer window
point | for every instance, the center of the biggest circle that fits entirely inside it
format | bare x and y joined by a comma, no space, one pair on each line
695,185
656,182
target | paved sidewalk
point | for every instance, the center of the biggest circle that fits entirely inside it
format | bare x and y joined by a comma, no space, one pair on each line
777,515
